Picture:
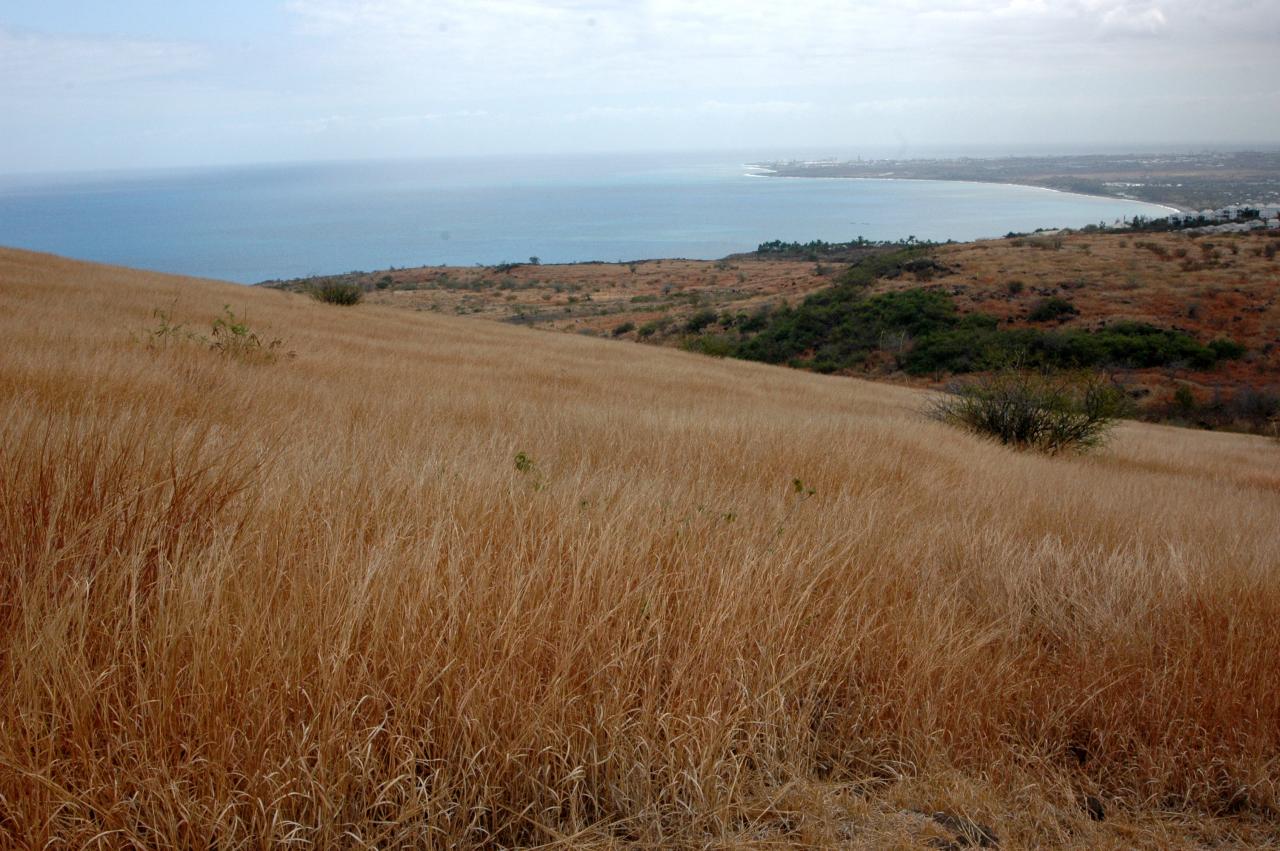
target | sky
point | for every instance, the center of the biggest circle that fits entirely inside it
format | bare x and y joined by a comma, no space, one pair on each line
168,83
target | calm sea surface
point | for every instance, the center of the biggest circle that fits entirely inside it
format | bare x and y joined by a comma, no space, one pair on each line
250,224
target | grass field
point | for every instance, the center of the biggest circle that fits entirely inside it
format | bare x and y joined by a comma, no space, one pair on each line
414,580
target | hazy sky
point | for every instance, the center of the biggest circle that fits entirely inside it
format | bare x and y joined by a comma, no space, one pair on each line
138,83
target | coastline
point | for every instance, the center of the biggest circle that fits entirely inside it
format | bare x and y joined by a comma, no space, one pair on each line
762,171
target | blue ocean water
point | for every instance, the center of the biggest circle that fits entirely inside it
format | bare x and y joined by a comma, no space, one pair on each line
255,223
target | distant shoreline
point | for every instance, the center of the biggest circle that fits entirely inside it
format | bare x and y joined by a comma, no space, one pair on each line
1179,183
762,171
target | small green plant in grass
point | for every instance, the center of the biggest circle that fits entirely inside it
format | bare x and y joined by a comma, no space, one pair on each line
337,292
527,467
1046,412
166,332
230,336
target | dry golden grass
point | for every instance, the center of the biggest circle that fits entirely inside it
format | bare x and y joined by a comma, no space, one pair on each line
315,601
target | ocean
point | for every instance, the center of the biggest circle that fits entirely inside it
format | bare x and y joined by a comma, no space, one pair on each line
254,223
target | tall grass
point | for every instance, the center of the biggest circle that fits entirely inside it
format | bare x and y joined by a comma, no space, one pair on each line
314,600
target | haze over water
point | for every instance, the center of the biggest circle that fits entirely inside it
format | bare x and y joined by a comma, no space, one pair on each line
249,224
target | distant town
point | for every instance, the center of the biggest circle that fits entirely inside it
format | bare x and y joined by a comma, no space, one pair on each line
1231,219
1207,185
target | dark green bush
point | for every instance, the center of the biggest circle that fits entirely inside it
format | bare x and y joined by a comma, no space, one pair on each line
1048,413
1184,399
337,292
700,320
715,345
891,264
1049,309
1226,349
624,328
750,323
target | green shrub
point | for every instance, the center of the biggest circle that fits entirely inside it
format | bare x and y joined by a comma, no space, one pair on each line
700,320
1184,399
1049,309
337,292
624,328
1226,349
892,264
715,345
1048,413
750,323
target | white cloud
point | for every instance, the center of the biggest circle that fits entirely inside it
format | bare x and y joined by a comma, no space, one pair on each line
1123,20
37,61
350,78
597,45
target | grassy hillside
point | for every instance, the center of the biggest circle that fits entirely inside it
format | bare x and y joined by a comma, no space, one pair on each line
417,580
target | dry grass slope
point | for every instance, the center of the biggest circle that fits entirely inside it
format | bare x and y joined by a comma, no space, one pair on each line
315,600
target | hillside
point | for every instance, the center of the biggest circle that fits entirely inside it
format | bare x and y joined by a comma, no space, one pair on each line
1219,287
407,579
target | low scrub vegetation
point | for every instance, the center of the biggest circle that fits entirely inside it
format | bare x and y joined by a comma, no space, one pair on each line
842,328
920,330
